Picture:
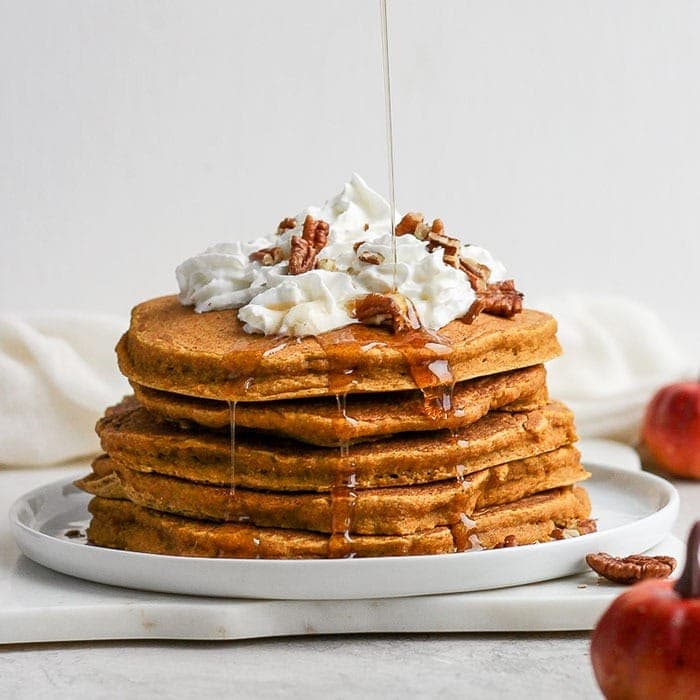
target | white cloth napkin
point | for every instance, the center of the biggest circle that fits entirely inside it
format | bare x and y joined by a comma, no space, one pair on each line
617,353
58,372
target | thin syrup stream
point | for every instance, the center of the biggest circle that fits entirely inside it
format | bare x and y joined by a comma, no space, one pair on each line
389,131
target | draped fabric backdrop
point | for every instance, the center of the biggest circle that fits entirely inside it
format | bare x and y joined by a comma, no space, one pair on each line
562,135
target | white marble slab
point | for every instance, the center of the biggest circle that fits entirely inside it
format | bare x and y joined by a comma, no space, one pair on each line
39,605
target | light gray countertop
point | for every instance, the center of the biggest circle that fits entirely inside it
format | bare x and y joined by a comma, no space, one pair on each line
538,665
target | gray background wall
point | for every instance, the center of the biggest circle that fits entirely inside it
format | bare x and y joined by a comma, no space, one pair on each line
561,134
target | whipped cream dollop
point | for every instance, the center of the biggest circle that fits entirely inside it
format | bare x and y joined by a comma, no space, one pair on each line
271,301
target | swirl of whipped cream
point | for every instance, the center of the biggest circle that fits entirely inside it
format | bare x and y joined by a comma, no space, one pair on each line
270,301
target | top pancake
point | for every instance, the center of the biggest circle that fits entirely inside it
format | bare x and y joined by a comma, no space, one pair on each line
171,348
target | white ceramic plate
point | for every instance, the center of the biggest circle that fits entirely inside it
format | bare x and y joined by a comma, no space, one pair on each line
635,511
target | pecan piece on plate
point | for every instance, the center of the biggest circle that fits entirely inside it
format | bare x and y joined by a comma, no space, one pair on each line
394,311
306,247
631,569
267,256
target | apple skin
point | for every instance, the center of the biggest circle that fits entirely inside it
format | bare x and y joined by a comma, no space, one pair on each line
647,645
671,429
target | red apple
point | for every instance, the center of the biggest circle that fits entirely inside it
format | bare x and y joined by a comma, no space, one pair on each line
647,644
671,429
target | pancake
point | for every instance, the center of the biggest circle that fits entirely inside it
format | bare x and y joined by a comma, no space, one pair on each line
135,439
319,422
387,511
171,348
123,525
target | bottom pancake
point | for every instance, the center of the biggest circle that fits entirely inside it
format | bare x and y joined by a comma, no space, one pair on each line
120,524
381,511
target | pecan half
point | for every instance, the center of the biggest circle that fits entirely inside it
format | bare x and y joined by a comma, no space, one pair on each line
267,256
306,247
498,299
502,299
394,311
631,569
286,223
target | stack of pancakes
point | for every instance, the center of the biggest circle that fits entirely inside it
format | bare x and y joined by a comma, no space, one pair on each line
357,442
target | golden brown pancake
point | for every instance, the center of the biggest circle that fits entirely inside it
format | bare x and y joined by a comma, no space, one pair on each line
135,439
386,511
171,348
362,416
123,525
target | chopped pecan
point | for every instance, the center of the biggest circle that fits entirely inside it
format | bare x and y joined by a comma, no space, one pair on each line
392,310
451,246
422,231
409,223
478,305
372,257
286,223
267,256
355,246
306,247
496,298
477,273
631,569
557,534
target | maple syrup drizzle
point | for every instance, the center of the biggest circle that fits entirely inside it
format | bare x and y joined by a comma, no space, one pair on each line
343,496
243,371
432,375
384,18
341,349
427,356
